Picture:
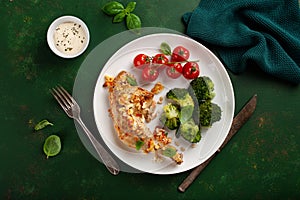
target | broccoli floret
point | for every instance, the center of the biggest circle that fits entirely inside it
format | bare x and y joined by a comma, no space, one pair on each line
186,113
180,96
188,128
171,111
183,99
202,87
209,113
216,113
172,123
177,93
170,116
190,131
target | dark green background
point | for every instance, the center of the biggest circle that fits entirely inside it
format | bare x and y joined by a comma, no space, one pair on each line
261,162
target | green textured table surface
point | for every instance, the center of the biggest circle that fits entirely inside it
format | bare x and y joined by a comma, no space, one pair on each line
261,162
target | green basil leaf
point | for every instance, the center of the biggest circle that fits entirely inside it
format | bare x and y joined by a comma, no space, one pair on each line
52,146
42,124
133,21
119,17
113,8
169,152
131,81
139,144
165,49
130,7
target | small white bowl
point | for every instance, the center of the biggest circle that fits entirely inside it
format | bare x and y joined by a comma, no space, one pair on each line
51,31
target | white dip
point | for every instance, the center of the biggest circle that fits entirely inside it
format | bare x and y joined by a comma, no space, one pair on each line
69,38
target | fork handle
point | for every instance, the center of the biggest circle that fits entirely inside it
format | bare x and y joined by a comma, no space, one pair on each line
106,158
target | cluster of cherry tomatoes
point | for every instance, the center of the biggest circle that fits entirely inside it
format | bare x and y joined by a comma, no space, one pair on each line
174,67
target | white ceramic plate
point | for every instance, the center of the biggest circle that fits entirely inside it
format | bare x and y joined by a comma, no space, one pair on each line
212,138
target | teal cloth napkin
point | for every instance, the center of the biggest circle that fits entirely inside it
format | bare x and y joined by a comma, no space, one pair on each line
244,32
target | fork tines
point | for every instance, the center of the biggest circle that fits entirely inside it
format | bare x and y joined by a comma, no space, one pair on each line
62,96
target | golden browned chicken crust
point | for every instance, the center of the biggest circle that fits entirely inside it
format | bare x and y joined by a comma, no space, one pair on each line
131,107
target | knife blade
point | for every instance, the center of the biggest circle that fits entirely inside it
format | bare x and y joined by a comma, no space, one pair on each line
238,121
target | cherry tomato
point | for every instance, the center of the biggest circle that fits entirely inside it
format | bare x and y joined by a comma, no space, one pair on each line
160,59
141,60
191,70
174,70
150,73
176,66
180,54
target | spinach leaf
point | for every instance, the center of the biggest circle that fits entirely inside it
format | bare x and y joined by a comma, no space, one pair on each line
52,146
42,124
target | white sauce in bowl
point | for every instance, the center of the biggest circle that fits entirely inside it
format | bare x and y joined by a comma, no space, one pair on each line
69,38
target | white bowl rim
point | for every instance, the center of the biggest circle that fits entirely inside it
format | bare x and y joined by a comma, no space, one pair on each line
55,23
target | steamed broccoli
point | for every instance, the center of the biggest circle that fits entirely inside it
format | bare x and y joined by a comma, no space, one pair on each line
209,113
170,116
171,111
183,99
180,96
202,91
202,87
190,131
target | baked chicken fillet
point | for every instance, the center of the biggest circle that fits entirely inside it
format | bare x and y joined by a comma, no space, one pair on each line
131,108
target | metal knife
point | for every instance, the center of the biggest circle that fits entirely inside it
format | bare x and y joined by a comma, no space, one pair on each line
238,121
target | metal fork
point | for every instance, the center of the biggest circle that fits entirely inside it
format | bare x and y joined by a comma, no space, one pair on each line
72,109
